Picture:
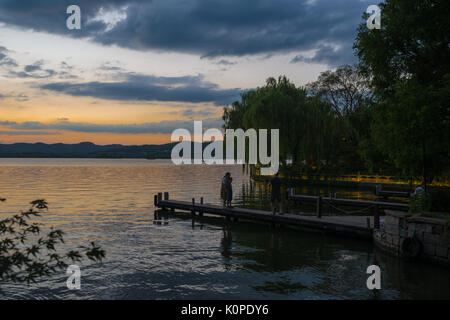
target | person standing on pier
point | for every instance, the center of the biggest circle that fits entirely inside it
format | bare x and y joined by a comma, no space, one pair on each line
224,188
275,194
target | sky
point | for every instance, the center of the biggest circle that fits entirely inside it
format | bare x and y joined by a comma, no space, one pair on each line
139,69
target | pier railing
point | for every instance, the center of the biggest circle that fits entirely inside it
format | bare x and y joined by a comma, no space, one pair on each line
336,203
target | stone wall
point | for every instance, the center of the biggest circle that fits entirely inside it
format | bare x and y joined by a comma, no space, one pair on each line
432,234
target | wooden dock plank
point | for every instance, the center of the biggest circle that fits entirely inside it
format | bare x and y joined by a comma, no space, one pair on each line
350,225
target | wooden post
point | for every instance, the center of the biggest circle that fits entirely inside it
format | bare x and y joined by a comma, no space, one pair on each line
193,213
368,222
200,213
274,209
319,207
330,209
155,200
376,218
155,217
166,196
160,199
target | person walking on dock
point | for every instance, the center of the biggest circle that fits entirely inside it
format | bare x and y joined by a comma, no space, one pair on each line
275,193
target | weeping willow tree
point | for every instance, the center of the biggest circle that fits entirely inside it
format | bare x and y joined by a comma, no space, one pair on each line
309,129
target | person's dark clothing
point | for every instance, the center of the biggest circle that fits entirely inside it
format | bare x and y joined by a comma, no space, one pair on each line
276,189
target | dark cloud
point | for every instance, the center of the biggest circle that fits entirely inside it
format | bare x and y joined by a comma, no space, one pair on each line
164,127
108,66
66,71
225,62
20,97
210,28
34,67
38,71
328,54
5,60
197,113
35,71
66,66
66,75
138,87
7,123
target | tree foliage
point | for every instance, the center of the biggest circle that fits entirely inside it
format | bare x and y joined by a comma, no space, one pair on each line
309,132
408,64
349,93
26,256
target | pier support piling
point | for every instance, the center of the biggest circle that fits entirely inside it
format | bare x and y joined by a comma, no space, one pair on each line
160,199
319,207
376,217
200,213
155,217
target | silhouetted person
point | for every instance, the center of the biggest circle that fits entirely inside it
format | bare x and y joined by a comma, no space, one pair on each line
224,188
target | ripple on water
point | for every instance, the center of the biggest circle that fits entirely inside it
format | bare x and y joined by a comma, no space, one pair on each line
111,202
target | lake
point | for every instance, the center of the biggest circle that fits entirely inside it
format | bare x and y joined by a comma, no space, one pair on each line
111,202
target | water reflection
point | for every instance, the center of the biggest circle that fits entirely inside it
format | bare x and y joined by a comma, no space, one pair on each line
227,245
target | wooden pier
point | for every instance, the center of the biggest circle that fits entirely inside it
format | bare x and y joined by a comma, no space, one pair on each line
356,226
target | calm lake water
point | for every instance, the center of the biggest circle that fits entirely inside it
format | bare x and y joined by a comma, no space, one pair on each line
111,202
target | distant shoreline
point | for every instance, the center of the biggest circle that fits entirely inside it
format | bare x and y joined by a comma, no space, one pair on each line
85,150
49,156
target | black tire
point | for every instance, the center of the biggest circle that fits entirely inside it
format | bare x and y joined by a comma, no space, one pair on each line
411,247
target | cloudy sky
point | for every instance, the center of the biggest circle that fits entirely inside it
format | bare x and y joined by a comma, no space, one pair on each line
138,69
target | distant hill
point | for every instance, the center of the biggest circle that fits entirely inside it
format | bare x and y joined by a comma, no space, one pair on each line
84,150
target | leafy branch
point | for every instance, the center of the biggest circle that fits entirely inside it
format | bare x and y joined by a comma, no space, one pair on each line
25,260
